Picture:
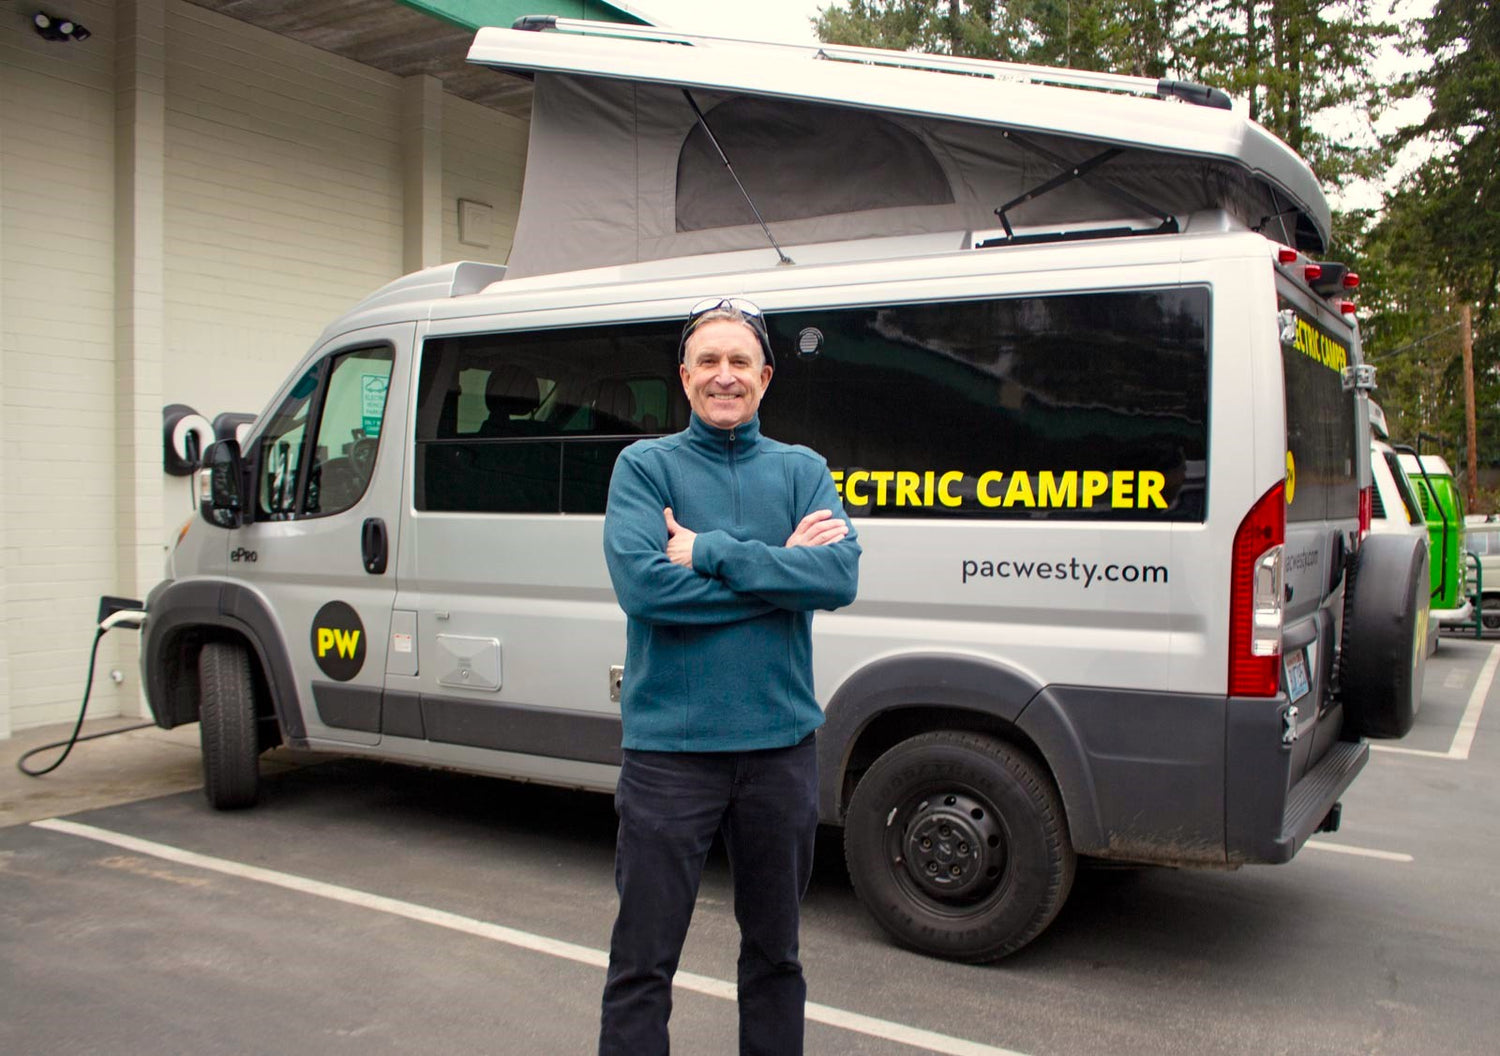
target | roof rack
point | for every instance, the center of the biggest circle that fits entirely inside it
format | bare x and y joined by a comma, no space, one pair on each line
1187,91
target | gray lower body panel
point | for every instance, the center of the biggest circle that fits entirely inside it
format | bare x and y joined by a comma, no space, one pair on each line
1142,774
1186,779
548,732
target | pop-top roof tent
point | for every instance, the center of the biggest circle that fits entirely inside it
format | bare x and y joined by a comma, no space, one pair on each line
631,125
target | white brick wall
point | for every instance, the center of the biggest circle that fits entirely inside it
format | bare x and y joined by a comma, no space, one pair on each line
484,156
57,114
282,206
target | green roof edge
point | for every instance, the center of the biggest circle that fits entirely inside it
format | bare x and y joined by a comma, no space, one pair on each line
475,14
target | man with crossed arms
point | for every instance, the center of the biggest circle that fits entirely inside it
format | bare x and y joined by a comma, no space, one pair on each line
721,543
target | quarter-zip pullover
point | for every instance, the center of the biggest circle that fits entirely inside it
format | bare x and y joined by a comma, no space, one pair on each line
719,656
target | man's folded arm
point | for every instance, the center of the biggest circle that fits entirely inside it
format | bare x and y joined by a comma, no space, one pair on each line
648,585
799,578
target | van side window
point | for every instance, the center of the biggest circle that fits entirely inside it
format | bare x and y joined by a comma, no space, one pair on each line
281,447
1414,514
532,422
1080,406
348,431
341,400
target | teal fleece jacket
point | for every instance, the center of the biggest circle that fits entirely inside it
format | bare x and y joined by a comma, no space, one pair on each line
718,657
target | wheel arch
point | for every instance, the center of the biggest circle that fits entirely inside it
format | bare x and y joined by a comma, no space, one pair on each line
185,615
894,698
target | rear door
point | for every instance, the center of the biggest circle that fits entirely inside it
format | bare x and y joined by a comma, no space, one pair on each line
1322,514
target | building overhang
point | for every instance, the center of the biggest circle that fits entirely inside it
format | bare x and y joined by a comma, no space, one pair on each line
412,37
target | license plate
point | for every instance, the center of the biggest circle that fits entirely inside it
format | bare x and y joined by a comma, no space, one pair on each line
1297,684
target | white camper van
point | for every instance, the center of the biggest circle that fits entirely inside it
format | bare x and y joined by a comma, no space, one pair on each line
1079,372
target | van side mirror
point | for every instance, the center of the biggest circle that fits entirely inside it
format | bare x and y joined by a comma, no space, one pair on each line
220,500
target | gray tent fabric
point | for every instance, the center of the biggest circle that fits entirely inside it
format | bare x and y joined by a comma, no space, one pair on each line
617,173
784,153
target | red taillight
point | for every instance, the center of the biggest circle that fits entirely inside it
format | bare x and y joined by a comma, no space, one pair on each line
1313,272
1351,281
1366,509
1286,256
1255,598
1347,307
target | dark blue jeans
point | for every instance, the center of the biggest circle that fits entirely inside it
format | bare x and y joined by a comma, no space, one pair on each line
670,805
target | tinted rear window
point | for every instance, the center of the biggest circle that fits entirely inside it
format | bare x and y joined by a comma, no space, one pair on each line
1081,406
1320,426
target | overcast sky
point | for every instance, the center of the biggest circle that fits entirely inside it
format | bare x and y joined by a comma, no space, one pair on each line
786,20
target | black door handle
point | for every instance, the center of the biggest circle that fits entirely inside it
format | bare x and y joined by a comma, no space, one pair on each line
373,546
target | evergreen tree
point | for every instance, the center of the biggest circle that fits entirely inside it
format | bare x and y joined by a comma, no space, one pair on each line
1293,59
1451,205
1409,327
1436,244
1120,36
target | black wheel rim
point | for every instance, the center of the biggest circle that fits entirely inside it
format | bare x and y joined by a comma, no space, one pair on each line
948,847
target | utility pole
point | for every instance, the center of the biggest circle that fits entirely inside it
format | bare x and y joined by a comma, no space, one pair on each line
1467,336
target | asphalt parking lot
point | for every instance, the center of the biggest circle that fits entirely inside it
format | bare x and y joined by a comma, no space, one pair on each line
369,908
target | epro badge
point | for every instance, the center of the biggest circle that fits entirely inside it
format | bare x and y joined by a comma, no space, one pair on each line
338,641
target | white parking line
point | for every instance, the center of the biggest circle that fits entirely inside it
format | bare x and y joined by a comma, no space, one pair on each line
1361,852
699,984
1468,725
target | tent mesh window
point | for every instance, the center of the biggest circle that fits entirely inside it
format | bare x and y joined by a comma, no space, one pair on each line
780,151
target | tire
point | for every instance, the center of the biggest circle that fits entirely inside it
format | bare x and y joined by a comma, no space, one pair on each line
1384,651
227,726
1490,612
996,864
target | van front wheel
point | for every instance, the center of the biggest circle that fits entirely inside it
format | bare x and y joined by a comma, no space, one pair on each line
958,845
226,726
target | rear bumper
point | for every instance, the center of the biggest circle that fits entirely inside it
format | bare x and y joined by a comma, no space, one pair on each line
1314,796
1188,780
1269,816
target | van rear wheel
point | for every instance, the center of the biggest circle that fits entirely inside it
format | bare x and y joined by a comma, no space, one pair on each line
227,727
958,845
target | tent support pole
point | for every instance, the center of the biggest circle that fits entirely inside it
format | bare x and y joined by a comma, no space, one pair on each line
782,258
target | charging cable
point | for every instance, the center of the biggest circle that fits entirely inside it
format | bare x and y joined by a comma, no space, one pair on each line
110,618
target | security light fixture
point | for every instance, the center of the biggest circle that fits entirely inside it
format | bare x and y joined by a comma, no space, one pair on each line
56,27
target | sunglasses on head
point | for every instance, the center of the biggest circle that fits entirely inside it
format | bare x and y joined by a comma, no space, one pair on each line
732,307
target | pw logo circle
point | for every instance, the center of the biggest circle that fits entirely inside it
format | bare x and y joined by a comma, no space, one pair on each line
338,641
